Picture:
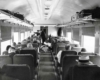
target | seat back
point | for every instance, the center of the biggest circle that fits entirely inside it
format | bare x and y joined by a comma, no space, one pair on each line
95,60
36,45
84,72
16,71
5,59
60,48
25,59
67,62
77,49
32,52
64,53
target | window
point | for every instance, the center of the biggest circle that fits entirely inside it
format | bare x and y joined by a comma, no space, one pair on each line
16,37
4,44
89,43
22,37
69,36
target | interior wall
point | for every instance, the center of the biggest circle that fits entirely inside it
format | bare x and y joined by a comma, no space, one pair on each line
52,31
35,28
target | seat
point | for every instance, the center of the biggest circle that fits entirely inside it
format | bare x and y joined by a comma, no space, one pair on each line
78,49
95,60
67,62
16,72
5,59
25,59
83,72
60,48
36,45
64,53
32,52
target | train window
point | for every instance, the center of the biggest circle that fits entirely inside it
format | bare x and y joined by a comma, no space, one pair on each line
76,42
26,35
16,37
69,36
22,37
4,44
89,43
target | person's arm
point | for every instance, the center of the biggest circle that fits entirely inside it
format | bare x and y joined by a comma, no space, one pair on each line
59,55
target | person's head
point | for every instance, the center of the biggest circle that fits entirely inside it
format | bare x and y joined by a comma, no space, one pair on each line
34,41
67,47
11,50
24,42
83,50
14,44
29,45
7,48
19,43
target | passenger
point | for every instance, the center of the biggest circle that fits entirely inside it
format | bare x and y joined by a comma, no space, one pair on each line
12,52
29,45
14,45
7,49
82,61
19,45
43,36
68,47
83,50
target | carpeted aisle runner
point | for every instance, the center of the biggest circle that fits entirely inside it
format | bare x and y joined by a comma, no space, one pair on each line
46,67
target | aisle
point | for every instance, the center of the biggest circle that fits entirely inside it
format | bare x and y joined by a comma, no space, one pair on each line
46,67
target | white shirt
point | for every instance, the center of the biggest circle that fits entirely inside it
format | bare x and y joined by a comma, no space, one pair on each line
59,56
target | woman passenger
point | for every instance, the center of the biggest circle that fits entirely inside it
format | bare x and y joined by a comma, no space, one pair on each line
68,47
7,49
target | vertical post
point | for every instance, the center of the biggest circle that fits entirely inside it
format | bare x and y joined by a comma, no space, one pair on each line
0,40
97,39
19,36
12,35
80,37
71,35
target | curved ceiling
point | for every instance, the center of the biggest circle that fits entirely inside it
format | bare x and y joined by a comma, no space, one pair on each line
48,11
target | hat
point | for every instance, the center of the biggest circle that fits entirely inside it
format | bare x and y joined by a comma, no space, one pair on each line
83,57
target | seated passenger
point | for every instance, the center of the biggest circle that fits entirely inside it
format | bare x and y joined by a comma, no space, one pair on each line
84,60
14,45
19,45
81,70
12,52
29,45
7,49
68,47
83,50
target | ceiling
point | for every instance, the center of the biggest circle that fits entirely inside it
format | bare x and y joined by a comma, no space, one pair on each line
48,11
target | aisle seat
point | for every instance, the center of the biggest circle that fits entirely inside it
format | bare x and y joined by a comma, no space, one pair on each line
67,62
25,59
32,52
83,72
16,72
5,59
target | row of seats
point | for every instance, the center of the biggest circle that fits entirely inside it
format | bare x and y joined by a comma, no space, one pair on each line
20,66
27,59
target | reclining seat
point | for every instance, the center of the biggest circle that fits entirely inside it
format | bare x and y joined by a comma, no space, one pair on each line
83,72
16,72
5,59
32,52
67,62
27,59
